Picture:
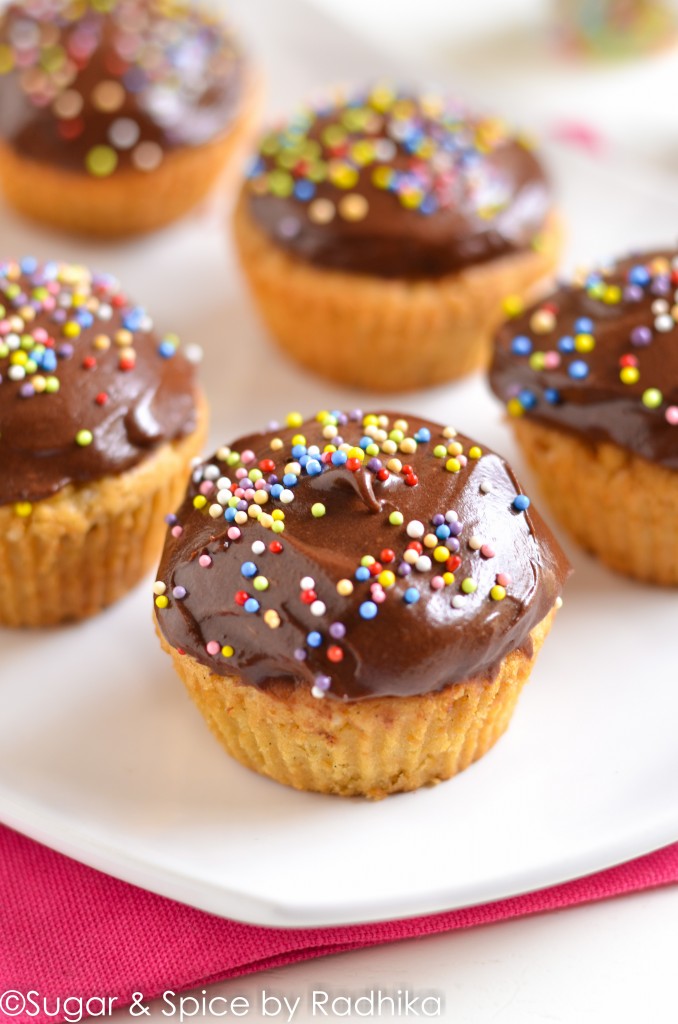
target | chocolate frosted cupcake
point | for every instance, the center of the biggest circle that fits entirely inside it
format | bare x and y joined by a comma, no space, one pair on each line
590,381
355,602
117,117
99,420
381,231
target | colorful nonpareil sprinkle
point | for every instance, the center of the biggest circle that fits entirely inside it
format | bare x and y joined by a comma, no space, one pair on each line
347,457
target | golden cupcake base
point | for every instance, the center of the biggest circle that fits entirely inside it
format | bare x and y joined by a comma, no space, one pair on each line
382,334
83,548
617,506
365,748
128,202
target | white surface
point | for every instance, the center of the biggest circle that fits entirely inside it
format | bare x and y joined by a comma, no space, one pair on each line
102,756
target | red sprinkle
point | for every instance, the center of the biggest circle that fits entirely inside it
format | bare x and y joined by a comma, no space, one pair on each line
275,546
335,653
453,563
101,398
89,362
417,546
411,480
267,465
375,568
383,474
308,596
241,597
387,555
353,464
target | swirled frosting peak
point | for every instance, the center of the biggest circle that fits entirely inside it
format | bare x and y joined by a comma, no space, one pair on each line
359,555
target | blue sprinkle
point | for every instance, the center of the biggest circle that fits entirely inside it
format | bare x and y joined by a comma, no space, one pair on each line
230,514
251,605
566,344
422,435
29,265
84,318
411,595
521,346
428,205
368,609
166,349
521,502
48,361
527,398
298,451
248,569
552,395
133,318
362,573
314,639
339,458
290,480
304,190
364,442
276,490
639,275
578,369
313,467
584,325
442,532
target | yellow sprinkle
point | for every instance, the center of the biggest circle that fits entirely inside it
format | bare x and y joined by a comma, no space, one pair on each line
199,501
512,305
453,465
475,452
294,419
23,509
161,601
441,554
498,593
514,407
227,651
629,375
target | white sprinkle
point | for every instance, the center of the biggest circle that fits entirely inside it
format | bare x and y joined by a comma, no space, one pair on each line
475,543
423,563
286,496
317,692
415,529
258,547
216,511
318,608
486,487
458,601
307,583
159,588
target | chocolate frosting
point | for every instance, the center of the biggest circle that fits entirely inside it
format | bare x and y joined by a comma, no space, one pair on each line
388,577
97,87
87,388
397,185
599,358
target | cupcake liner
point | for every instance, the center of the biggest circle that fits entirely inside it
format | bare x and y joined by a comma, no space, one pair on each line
129,201
86,546
362,748
384,334
618,506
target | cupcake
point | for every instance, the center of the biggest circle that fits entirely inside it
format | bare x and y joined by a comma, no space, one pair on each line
117,117
99,420
381,231
355,602
590,381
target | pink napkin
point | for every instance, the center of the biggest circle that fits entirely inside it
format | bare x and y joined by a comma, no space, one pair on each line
67,930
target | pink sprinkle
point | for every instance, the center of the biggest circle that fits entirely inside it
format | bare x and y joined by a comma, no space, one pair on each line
260,485
437,583
249,494
247,456
4,327
238,492
462,460
672,415
487,552
233,533
177,531
503,579
40,335
212,647
240,474
204,561
206,487
378,596
551,360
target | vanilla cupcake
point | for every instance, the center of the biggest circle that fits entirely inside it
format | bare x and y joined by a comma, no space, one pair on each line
118,117
99,420
380,232
355,602
590,382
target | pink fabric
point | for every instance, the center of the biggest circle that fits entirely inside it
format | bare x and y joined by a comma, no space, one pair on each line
67,930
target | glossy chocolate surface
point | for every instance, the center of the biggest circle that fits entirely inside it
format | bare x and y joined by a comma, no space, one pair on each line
395,564
599,358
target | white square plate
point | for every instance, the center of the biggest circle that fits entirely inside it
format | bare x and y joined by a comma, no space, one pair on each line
103,757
